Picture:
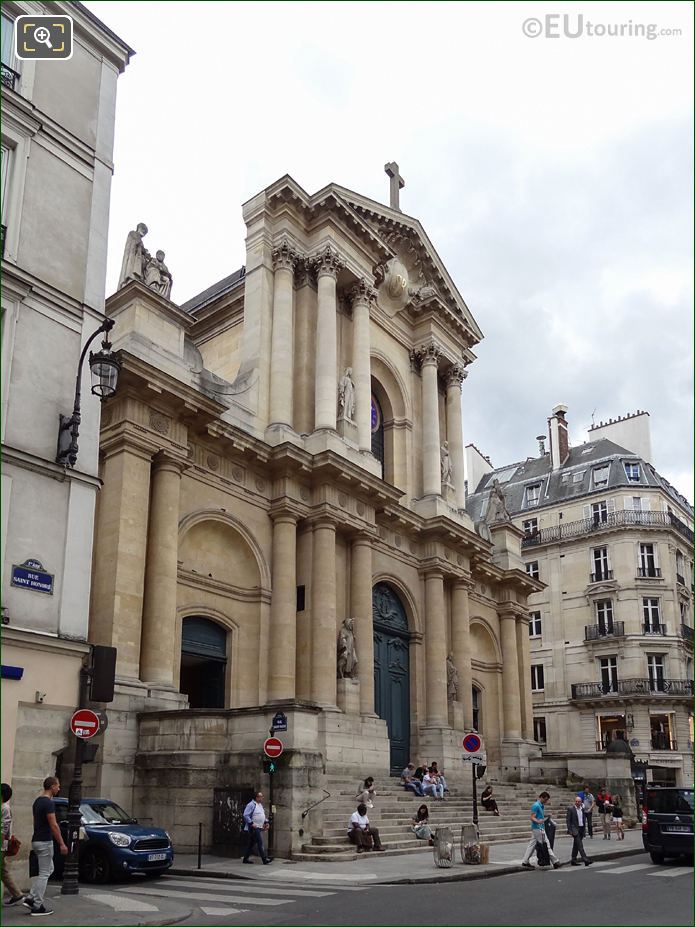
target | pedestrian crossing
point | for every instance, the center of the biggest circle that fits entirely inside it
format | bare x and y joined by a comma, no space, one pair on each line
611,867
216,897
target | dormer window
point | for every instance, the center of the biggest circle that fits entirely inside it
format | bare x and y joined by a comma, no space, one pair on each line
533,495
600,475
632,472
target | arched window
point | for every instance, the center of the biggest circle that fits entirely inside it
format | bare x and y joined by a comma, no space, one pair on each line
203,662
378,432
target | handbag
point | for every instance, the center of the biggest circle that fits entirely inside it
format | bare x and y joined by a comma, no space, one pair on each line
13,846
542,854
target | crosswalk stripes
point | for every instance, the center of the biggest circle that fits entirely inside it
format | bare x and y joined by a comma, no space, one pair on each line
673,872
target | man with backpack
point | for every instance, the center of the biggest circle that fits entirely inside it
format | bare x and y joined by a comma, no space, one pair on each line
538,843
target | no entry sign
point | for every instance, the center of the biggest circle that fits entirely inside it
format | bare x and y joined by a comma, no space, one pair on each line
273,747
84,723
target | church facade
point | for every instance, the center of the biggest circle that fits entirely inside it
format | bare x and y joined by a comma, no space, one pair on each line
282,525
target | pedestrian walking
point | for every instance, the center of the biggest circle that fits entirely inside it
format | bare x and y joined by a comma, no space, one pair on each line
538,835
361,833
588,805
7,880
255,822
576,829
618,817
46,830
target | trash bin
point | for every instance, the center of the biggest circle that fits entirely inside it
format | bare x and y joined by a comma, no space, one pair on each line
443,850
470,845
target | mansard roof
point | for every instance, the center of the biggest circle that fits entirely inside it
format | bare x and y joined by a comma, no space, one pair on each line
572,481
213,292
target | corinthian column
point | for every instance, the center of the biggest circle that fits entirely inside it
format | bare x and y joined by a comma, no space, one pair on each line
510,678
523,648
159,639
461,647
282,342
283,609
431,447
454,428
363,296
437,712
327,266
361,602
323,613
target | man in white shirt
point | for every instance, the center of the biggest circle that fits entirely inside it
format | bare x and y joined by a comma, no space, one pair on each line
255,822
431,785
575,827
361,833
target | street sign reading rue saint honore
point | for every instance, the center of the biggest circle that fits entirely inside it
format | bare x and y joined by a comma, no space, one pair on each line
31,575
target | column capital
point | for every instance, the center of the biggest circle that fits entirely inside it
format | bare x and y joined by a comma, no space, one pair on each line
429,353
463,584
165,460
285,256
362,294
285,511
328,262
455,375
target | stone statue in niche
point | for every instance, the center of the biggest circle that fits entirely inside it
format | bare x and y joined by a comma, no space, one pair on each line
346,395
446,465
452,679
158,276
347,654
497,506
135,256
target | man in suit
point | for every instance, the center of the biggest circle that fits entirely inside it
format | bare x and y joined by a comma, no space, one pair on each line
575,827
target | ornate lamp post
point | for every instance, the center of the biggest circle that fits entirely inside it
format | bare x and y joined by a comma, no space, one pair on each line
105,368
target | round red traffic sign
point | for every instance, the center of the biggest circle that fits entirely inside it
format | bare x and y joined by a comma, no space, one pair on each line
84,723
273,747
471,743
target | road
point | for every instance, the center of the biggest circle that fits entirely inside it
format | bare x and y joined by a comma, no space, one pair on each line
628,891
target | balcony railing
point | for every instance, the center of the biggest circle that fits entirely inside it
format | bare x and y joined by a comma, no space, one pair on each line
8,77
649,572
686,633
663,742
601,575
680,579
623,687
654,629
624,519
597,632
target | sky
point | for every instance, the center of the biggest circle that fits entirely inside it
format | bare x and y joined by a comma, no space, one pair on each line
552,172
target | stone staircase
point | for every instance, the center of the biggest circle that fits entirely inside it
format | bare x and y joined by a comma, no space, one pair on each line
394,808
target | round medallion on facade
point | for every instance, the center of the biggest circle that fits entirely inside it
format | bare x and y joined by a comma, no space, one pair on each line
459,559
413,547
304,493
397,540
212,462
342,500
382,533
237,474
361,508
159,422
447,554
396,279
260,484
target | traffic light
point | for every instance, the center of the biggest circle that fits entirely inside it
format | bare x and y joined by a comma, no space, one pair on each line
270,766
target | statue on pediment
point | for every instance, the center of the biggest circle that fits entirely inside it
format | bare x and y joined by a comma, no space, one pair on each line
497,506
157,275
135,256
346,395
452,679
447,467
347,652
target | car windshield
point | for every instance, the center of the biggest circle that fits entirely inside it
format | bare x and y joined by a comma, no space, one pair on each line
106,812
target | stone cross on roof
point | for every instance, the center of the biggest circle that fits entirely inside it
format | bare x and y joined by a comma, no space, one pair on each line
397,183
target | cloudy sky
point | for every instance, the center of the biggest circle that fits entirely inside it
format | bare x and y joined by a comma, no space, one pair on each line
553,174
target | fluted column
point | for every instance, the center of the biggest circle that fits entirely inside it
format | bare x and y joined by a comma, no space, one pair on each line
454,429
282,342
361,601
327,266
510,678
159,639
323,612
523,648
431,447
363,296
283,608
437,712
461,647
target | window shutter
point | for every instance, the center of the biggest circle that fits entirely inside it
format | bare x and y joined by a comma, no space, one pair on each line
610,506
646,505
587,512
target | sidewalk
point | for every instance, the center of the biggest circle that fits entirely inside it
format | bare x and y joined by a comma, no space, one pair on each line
409,868
95,906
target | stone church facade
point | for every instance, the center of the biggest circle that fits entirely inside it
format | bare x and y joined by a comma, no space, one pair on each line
285,452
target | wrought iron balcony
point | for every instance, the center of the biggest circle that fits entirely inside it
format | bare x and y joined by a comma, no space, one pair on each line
649,572
597,632
9,77
632,687
686,632
680,579
663,742
624,519
654,629
601,576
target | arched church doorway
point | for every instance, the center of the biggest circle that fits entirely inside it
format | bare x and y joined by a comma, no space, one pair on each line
203,662
392,671
377,432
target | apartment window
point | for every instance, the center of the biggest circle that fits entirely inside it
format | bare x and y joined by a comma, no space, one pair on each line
600,475
10,64
599,512
655,668
532,569
476,708
534,624
680,568
578,477
539,734
530,526
647,566
652,616
604,616
533,495
684,612
537,677
632,472
609,673
599,563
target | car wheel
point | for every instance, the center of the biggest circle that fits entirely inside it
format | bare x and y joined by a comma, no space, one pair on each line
95,867
657,858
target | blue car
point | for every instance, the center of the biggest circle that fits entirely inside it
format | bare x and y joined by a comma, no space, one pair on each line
113,844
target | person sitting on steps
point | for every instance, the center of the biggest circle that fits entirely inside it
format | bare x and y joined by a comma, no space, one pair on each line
488,802
366,794
361,833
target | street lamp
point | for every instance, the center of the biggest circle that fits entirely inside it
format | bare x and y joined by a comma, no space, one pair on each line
104,367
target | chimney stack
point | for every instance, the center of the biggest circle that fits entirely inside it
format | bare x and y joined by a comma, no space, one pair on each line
541,445
559,437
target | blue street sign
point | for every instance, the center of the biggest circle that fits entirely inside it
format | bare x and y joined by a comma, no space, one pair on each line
31,575
280,722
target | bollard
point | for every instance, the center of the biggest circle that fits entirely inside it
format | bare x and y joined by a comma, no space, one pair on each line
200,844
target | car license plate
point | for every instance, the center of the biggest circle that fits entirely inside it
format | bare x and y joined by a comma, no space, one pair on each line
676,829
155,857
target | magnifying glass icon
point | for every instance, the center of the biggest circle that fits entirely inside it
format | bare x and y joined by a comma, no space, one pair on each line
43,36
